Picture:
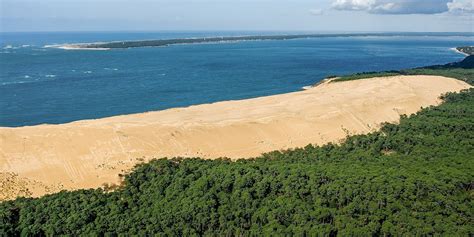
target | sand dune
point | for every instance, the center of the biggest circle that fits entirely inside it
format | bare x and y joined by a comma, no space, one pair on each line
86,154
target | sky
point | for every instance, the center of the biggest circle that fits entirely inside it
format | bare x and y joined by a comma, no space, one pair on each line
238,15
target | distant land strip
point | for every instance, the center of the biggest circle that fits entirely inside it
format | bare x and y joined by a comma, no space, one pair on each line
168,42
467,50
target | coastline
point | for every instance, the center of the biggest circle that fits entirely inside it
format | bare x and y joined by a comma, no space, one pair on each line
460,52
73,47
322,82
90,153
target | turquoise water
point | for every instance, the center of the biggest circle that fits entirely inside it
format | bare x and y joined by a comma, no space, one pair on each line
47,85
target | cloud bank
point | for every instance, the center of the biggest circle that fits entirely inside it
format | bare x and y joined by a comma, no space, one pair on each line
462,6
405,6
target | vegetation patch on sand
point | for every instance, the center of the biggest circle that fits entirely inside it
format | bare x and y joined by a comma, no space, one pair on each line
461,70
414,178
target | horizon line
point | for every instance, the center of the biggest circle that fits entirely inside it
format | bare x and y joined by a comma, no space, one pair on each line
209,31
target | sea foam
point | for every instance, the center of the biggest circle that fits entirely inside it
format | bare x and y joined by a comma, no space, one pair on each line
72,47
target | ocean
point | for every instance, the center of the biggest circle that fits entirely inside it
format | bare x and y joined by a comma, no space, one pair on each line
41,85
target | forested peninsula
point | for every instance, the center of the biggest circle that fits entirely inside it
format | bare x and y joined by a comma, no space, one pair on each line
223,39
412,178
468,50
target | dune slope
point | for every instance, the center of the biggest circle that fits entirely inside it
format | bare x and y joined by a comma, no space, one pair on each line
47,158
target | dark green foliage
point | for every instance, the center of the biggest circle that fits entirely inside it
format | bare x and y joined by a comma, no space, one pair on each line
463,70
466,75
415,178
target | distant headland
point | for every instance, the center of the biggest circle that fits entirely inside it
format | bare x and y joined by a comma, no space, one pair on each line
467,50
221,39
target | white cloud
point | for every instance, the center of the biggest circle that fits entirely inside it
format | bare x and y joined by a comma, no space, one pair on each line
461,6
395,6
353,5
316,12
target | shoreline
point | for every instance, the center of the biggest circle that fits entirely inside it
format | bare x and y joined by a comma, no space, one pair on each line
322,82
73,47
91,153
82,121
460,52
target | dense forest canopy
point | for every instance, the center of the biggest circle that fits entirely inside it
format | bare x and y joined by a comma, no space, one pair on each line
413,178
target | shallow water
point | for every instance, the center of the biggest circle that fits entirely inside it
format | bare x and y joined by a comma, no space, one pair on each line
47,85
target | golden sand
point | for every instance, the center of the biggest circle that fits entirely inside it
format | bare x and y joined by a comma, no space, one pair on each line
43,159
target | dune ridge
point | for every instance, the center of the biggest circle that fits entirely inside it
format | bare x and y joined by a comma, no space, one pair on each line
43,159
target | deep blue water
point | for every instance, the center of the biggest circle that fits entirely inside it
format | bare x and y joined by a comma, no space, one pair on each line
47,85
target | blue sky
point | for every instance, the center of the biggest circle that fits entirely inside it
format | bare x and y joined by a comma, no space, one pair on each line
208,15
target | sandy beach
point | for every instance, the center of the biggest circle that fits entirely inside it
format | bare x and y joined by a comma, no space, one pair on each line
43,159
73,47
